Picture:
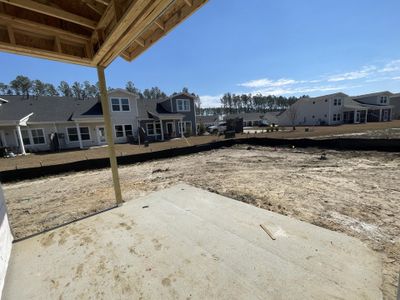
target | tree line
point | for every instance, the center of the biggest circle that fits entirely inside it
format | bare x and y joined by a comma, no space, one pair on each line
26,87
244,103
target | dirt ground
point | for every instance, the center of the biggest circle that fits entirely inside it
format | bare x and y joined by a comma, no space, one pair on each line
369,130
351,192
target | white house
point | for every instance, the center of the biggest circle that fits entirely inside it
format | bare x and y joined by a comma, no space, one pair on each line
338,108
51,123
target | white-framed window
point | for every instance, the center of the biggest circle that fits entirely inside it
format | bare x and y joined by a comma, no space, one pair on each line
339,116
182,105
187,127
72,133
153,128
33,136
383,99
120,104
25,136
337,102
334,117
123,130
38,136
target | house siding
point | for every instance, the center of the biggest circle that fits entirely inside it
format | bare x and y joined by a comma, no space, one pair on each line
395,101
188,116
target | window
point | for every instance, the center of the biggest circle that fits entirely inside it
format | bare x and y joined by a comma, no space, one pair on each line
125,104
383,99
115,104
338,117
73,134
334,117
123,130
119,131
118,104
153,128
25,137
339,102
187,127
128,130
183,105
37,136
335,102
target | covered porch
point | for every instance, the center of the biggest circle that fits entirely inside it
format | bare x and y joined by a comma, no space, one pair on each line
355,116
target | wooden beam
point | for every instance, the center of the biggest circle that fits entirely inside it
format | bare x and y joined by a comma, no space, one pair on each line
47,54
57,45
189,3
53,12
160,25
140,42
169,24
94,6
109,133
133,31
41,28
105,2
132,13
11,34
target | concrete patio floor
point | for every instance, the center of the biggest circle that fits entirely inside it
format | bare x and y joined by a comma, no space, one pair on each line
187,243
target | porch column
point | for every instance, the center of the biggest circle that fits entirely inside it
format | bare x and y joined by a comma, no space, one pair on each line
182,136
109,133
78,130
162,130
355,116
366,116
380,115
21,141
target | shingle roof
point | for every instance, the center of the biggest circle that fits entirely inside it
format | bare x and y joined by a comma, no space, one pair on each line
46,109
387,93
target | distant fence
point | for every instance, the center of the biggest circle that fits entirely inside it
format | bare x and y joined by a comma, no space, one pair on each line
387,145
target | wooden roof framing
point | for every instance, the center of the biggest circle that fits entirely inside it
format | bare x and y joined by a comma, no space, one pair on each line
88,32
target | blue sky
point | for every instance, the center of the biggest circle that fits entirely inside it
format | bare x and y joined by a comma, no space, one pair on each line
285,47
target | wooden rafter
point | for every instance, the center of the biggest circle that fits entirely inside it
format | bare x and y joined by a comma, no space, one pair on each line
53,12
88,32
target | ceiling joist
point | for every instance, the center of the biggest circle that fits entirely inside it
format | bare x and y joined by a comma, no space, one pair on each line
88,32
53,12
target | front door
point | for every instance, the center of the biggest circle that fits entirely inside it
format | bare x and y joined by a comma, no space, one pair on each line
385,115
170,128
101,135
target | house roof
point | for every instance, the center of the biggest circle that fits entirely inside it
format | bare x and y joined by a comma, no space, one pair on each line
255,116
352,104
47,109
207,119
385,93
155,107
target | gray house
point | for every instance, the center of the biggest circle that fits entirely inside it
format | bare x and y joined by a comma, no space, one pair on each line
45,123
395,103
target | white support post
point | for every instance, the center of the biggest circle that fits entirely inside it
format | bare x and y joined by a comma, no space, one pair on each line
21,141
162,130
380,115
109,133
355,117
181,128
366,116
78,130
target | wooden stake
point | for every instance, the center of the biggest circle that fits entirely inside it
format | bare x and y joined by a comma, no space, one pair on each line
109,133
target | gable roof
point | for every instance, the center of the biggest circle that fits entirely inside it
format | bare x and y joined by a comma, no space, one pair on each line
46,108
386,93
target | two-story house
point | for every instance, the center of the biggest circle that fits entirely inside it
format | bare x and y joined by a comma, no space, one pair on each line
53,123
338,108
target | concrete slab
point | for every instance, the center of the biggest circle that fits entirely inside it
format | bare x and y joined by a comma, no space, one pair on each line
186,243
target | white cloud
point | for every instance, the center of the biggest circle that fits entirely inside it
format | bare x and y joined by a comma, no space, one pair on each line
265,82
396,78
210,101
392,66
300,90
359,74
